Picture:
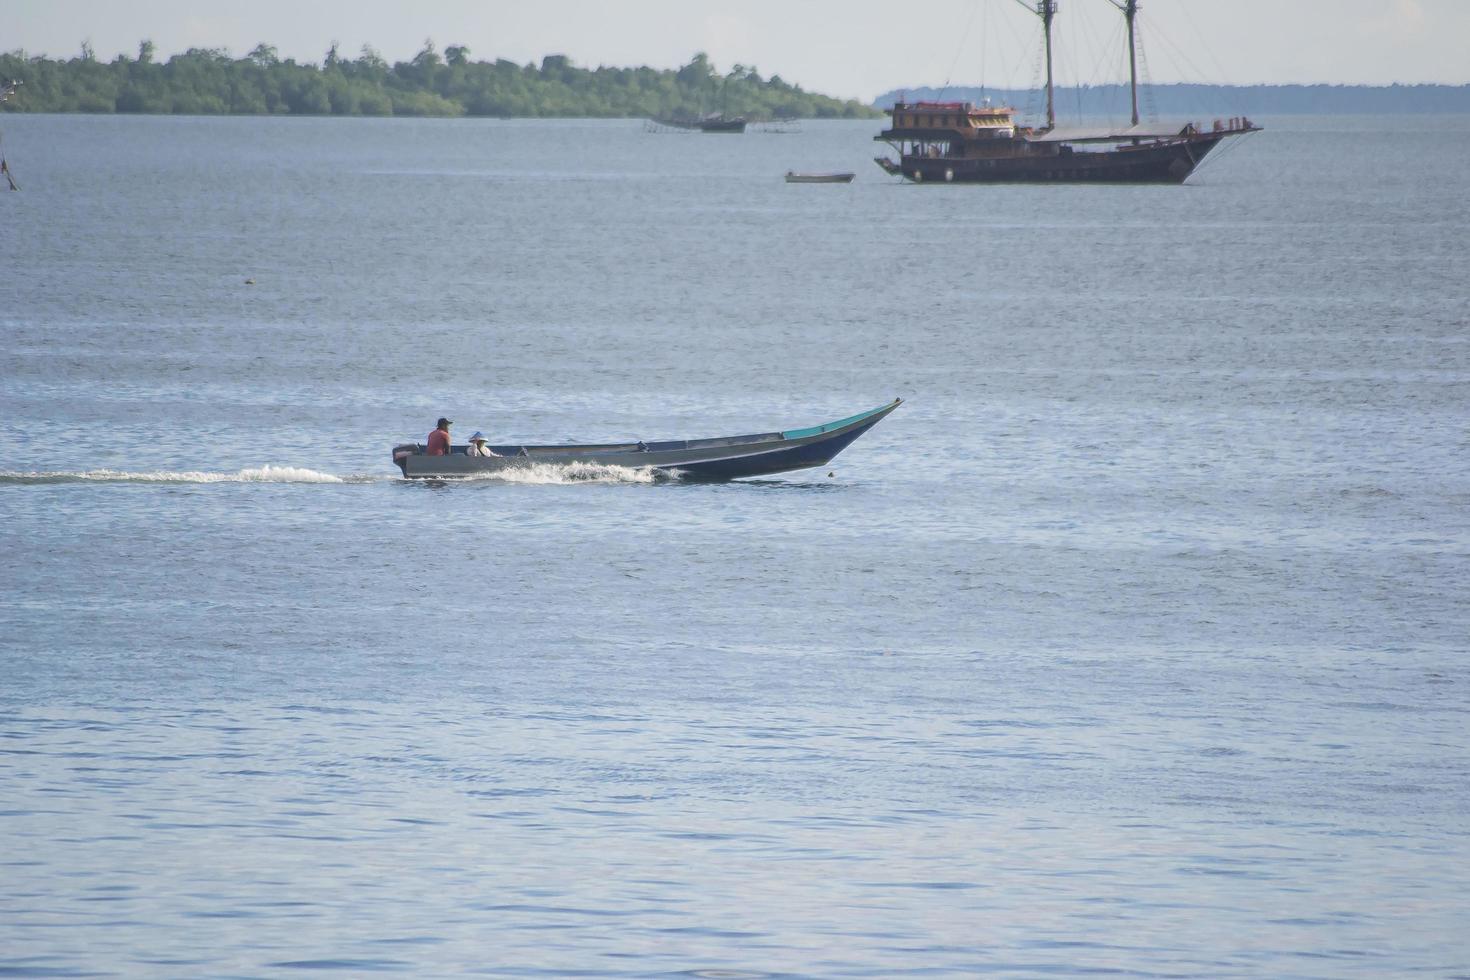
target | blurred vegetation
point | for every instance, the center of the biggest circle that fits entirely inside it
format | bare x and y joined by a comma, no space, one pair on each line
207,81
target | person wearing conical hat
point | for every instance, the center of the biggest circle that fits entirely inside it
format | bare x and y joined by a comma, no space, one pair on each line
477,446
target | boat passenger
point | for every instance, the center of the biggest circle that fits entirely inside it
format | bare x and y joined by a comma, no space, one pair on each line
477,446
439,439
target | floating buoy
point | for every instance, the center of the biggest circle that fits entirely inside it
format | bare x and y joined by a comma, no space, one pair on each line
249,282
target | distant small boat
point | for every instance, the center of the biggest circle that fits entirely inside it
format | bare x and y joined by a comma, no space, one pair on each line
792,177
722,124
716,123
728,458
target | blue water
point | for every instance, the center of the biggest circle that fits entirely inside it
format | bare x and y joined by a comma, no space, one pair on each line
1134,643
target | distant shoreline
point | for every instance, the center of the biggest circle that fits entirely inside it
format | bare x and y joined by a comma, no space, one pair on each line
210,82
1211,99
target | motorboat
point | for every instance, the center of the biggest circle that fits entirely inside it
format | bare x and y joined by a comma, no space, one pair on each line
723,458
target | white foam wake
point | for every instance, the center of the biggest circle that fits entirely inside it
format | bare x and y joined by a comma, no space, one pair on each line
256,474
532,473
573,473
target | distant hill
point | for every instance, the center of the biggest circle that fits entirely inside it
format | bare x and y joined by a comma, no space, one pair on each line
1213,100
209,81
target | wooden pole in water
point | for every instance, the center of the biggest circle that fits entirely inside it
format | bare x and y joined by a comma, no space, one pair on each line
1048,9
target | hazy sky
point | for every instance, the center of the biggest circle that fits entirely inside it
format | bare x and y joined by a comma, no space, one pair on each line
852,48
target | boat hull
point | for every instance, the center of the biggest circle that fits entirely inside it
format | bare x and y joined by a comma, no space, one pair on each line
722,126
793,178
713,125
1164,163
726,458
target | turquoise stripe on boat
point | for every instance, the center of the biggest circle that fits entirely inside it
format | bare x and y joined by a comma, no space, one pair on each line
817,430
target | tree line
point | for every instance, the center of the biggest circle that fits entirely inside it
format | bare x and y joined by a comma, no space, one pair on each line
208,81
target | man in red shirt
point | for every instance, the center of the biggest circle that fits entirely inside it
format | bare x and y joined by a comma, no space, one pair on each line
439,439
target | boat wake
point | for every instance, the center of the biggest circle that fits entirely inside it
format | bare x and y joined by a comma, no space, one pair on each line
535,473
563,473
257,474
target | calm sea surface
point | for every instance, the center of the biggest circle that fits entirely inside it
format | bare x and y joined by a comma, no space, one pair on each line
1136,642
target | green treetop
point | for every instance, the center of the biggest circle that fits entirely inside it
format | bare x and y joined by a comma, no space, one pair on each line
210,81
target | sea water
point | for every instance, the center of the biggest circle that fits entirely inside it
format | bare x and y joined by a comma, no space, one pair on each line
1134,642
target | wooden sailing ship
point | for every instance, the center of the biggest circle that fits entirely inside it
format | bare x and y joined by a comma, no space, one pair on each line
959,142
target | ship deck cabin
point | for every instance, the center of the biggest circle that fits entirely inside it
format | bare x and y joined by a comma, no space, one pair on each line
953,129
932,121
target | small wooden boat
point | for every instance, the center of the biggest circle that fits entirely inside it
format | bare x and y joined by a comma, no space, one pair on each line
727,458
722,124
715,123
792,177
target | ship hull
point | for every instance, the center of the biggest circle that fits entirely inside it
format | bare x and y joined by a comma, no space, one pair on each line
1165,163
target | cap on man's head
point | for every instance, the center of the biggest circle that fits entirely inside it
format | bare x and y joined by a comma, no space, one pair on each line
445,422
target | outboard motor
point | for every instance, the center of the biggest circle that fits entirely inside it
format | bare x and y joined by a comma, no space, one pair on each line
402,452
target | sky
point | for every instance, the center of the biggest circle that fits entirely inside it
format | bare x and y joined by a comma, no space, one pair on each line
848,48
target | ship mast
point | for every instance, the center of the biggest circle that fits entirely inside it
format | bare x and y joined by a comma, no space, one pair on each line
1130,11
1046,10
